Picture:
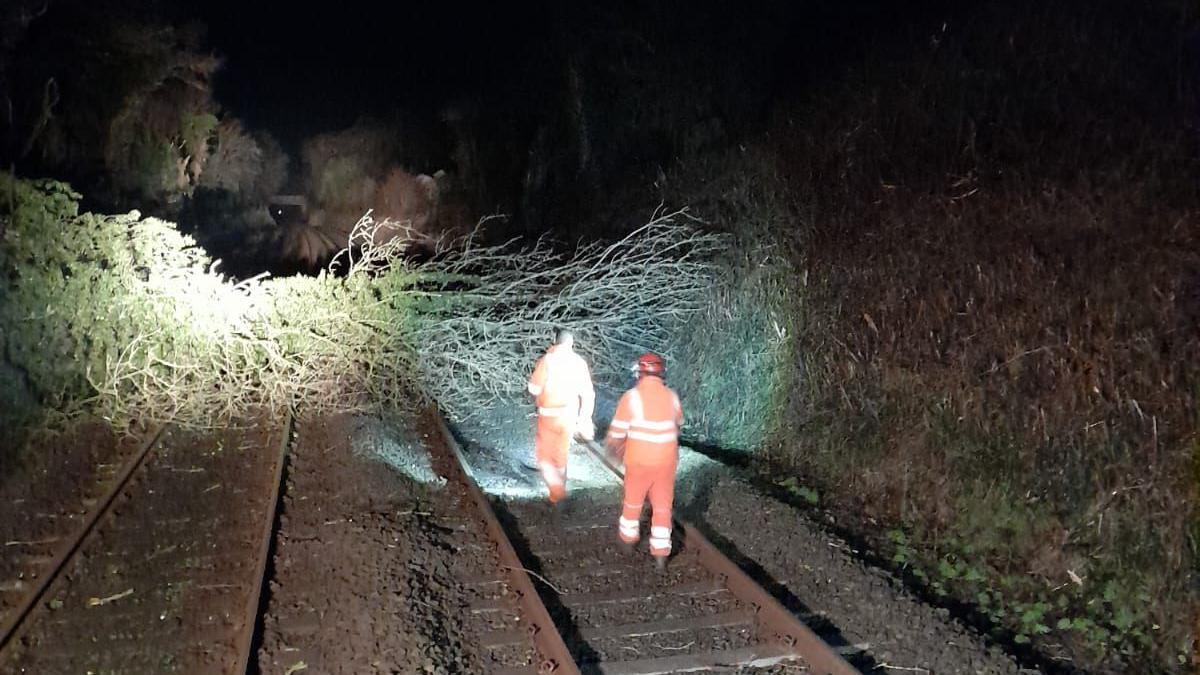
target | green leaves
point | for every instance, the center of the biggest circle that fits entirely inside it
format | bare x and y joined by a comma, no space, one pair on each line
947,570
806,493
1110,591
122,317
1110,616
1123,619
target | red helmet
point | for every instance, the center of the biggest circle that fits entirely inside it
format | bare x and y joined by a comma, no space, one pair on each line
650,364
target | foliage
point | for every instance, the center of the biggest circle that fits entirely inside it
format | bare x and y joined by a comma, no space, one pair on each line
136,103
732,360
1094,614
501,303
253,167
124,317
123,104
340,168
999,331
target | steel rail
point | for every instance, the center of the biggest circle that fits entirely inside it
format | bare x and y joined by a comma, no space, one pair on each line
773,619
555,656
251,622
68,549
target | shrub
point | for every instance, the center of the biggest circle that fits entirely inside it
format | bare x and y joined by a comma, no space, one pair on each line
731,363
136,105
253,168
998,342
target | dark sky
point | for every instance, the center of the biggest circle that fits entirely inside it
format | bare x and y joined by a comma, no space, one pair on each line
297,71
290,69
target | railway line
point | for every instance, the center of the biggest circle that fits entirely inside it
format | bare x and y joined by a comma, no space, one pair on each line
608,612
158,575
162,575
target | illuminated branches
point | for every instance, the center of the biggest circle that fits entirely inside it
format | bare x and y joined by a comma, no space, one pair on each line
127,319
491,309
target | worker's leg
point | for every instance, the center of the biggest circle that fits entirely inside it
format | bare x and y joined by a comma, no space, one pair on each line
637,480
662,494
561,448
530,461
551,444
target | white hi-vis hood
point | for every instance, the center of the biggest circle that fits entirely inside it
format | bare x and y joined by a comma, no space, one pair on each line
562,383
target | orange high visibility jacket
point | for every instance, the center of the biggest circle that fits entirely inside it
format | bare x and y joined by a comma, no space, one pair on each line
562,384
647,423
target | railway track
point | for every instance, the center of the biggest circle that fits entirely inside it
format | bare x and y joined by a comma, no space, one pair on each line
163,576
507,613
593,608
158,576
42,565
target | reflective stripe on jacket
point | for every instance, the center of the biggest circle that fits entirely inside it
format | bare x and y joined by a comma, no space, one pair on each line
647,422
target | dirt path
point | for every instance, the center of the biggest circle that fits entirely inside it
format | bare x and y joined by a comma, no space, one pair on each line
165,582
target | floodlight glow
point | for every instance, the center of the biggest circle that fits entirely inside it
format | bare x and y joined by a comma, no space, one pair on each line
502,471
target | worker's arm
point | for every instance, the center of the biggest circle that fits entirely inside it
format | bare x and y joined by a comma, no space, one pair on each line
587,403
538,379
618,428
678,412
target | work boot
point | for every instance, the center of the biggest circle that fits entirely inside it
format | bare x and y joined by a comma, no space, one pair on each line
628,548
660,563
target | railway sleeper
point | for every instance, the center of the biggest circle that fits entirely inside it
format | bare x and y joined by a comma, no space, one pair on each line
755,656
701,587
640,579
695,623
663,608
654,645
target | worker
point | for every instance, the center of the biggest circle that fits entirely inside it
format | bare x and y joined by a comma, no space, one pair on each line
644,433
562,385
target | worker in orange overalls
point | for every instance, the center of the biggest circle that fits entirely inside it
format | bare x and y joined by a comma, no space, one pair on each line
562,384
645,433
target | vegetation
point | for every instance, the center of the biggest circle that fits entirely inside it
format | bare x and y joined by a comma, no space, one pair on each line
952,292
121,104
133,112
731,362
963,309
999,334
125,318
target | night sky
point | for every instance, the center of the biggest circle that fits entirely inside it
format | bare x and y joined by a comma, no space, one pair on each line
299,72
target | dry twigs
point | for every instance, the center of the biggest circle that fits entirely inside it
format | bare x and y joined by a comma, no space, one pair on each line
495,306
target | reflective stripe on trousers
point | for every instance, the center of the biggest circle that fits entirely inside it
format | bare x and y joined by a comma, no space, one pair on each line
628,528
553,475
657,483
660,540
556,480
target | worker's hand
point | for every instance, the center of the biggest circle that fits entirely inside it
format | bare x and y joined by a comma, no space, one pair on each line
585,429
615,452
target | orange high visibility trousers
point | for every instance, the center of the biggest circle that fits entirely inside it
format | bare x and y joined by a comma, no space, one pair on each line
551,442
656,482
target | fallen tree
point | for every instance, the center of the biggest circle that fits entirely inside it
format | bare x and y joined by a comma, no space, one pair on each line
126,318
